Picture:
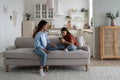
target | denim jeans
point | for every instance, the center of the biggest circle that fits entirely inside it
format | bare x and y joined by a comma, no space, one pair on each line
43,55
70,47
51,48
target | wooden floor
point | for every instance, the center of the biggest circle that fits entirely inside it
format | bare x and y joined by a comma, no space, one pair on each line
96,62
105,62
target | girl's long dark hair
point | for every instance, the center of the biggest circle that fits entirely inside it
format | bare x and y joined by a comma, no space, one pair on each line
65,29
41,24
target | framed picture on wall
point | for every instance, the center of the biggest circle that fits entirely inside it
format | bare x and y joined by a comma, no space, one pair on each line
5,9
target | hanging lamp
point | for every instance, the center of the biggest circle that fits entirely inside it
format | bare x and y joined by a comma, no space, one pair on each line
50,4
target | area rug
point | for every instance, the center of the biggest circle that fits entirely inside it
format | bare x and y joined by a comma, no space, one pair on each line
62,73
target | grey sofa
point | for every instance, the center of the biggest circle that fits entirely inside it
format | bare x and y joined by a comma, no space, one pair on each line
22,54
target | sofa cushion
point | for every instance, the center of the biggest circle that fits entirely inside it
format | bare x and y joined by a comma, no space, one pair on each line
54,40
24,42
29,54
21,53
71,54
28,42
81,41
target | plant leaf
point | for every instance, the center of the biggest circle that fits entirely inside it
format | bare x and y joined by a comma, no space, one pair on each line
117,14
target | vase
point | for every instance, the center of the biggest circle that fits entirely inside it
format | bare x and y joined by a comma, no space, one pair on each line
112,22
69,24
28,18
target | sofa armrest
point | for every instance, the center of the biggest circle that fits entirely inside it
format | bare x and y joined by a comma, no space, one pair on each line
86,48
10,48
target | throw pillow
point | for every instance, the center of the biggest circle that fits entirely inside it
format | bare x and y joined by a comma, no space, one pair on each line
81,41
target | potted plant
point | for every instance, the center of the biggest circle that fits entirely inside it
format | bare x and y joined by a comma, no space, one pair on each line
68,17
28,16
112,17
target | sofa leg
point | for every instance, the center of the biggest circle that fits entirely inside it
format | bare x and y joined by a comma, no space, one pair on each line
86,67
7,68
47,67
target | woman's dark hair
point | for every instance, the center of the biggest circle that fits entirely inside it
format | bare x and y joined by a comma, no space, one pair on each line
65,29
39,27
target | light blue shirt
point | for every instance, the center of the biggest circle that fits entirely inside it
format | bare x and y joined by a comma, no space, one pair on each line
41,40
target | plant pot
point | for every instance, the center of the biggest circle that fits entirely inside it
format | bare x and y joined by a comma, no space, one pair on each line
28,18
112,22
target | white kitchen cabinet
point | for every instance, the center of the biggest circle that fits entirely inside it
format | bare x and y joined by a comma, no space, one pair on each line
42,12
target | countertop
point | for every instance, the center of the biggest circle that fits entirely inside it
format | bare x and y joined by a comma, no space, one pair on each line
85,30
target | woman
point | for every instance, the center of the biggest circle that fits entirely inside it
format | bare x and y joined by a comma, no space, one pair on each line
41,43
68,42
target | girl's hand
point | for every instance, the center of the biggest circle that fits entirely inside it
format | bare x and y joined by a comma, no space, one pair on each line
63,40
66,42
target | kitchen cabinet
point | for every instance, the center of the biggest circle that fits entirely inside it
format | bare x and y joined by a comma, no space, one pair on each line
42,12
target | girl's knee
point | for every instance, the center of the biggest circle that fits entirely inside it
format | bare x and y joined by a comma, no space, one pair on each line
71,47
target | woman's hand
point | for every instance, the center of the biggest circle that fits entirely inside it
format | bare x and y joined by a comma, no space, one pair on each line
46,51
53,45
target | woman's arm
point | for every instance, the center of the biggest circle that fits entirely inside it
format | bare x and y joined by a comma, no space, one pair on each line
37,42
48,41
46,51
46,35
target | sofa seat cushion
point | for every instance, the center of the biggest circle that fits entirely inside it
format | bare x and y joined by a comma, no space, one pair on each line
27,53
71,54
21,53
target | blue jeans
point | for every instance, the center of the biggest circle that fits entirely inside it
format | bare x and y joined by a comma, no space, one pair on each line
51,48
70,47
43,55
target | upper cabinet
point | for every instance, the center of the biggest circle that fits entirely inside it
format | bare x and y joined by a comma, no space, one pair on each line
42,12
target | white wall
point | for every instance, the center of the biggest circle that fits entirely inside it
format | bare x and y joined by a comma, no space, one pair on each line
100,8
59,21
9,31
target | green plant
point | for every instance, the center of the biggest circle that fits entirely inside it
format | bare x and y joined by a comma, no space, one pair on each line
84,10
68,17
28,15
112,16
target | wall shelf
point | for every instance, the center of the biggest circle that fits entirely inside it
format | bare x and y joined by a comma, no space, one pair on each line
78,18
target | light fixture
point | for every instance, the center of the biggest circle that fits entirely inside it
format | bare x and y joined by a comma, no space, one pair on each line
50,4
58,10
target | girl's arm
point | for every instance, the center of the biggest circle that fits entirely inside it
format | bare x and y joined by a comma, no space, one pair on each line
71,41
64,41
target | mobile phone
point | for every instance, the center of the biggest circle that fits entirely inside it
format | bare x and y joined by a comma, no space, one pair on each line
59,38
